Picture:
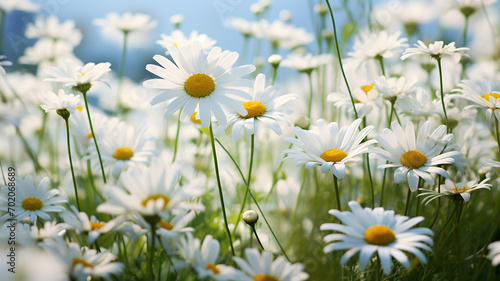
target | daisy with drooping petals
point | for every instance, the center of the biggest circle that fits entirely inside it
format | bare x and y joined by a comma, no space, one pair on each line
60,101
481,94
366,231
32,202
261,267
365,99
392,88
79,77
50,28
328,146
177,39
264,106
127,22
306,63
449,188
437,50
414,157
208,82
494,254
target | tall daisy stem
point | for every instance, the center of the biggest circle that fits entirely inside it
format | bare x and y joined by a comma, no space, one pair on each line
336,184
497,133
448,129
309,108
249,179
84,93
385,170
71,164
152,251
380,60
379,269
438,204
216,166
177,135
368,169
340,58
275,177
27,147
407,202
257,236
124,58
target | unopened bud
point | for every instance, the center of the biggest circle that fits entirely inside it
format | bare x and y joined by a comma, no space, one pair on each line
250,217
302,122
275,60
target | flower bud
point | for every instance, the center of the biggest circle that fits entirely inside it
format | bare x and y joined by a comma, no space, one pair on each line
302,122
250,217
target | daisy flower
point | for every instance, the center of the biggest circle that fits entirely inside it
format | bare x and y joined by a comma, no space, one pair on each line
246,28
374,46
18,5
306,63
365,99
53,102
32,202
260,266
392,88
126,23
328,146
264,106
414,157
81,223
282,35
122,146
202,259
50,230
176,20
208,82
151,192
79,77
437,50
494,254
83,263
366,231
47,53
4,62
449,188
481,94
53,30
177,39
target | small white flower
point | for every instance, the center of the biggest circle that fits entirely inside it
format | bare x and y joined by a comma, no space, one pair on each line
282,35
53,102
19,5
449,188
127,22
365,99
366,231
306,63
494,254
481,94
392,88
73,74
178,39
53,30
437,50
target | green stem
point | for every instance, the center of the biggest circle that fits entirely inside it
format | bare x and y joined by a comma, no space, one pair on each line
448,129
497,133
93,135
369,170
380,60
275,177
3,175
340,58
309,108
71,165
152,251
438,204
379,269
27,147
249,180
407,201
257,236
124,57
91,179
385,170
42,131
275,71
221,196
177,135
336,184
3,14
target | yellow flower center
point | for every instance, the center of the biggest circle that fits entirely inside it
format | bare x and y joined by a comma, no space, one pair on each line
379,235
96,225
80,108
333,155
367,88
82,262
155,197
456,189
356,101
32,204
166,225
123,153
194,119
199,85
254,109
488,95
89,135
213,267
413,159
264,277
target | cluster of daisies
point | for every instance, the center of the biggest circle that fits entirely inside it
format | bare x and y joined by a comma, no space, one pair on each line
205,169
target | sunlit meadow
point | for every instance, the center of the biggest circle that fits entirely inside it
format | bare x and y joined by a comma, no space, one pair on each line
340,140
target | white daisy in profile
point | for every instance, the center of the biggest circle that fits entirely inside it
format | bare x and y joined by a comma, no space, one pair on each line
481,94
261,267
53,102
243,26
202,259
365,99
122,146
393,87
32,202
460,190
306,63
81,223
264,106
177,38
281,34
370,46
84,263
78,77
152,192
208,82
50,28
126,23
366,231
494,254
414,157
50,230
436,50
329,147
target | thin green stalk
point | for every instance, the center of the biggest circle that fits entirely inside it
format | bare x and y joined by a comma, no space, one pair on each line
41,133
380,60
27,147
458,241
257,236
221,196
420,183
91,179
336,184
309,108
340,58
177,135
275,71
3,175
93,135
497,133
152,251
448,129
3,14
407,202
438,204
71,164
369,170
385,170
124,57
249,180
379,269
275,177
